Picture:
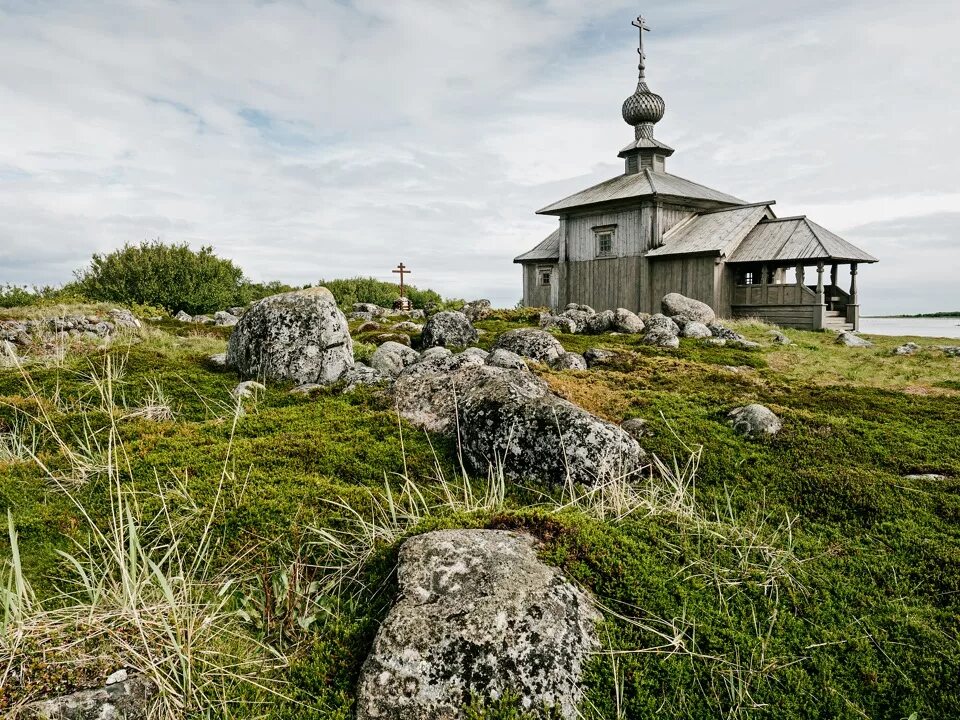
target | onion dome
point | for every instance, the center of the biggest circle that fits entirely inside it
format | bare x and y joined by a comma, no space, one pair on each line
644,108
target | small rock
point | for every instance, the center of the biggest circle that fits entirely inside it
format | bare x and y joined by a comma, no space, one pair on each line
569,361
369,326
598,356
119,676
438,352
851,340
558,322
202,320
778,338
506,359
909,348
716,341
370,309
753,420
218,360
600,323
124,318
934,477
407,327
401,338
637,427
661,338
183,317
478,352
723,332
695,329
361,374
237,310
743,344
130,698
662,324
951,350
306,389
392,357
224,319
448,328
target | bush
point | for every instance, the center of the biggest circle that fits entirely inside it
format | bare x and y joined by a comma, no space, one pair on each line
169,276
249,292
12,296
370,290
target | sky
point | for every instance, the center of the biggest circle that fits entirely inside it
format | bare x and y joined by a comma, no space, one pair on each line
308,140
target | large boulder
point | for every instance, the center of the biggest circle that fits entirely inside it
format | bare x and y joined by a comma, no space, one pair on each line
754,420
392,357
300,336
478,615
534,344
687,309
448,328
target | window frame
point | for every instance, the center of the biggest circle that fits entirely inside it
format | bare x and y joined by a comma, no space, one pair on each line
544,271
600,233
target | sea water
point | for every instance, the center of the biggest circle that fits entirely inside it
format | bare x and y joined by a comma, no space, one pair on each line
924,327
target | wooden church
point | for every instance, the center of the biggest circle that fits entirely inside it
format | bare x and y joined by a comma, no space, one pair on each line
634,238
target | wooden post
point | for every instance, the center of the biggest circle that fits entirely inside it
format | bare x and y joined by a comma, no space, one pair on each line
820,283
853,283
834,281
820,308
853,307
764,295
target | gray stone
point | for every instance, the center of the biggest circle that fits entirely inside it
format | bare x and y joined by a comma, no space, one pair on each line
581,316
754,420
534,344
201,320
716,341
360,316
661,324
723,332
598,356
224,319
361,374
694,329
743,344
368,326
637,427
126,699
558,322
661,338
506,359
392,357
436,352
581,308
951,350
778,338
477,310
407,326
851,340
307,389
601,322
478,614
237,310
124,319
401,338
479,352
932,477
466,359
569,361
448,328
687,309
627,322
300,336
370,308
218,360
909,348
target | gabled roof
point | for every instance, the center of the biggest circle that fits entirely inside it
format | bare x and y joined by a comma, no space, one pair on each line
548,250
713,233
795,239
638,185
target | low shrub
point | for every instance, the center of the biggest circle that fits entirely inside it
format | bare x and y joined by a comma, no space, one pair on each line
348,291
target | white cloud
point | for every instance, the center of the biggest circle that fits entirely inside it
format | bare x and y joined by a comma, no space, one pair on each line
318,139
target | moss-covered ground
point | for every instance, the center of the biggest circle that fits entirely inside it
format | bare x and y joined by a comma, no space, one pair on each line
811,577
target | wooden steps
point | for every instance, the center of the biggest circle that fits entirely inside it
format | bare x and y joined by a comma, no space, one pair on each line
835,321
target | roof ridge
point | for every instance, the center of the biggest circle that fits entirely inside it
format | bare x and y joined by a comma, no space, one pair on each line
738,207
781,219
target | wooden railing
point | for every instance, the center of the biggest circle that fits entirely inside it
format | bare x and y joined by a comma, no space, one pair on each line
774,294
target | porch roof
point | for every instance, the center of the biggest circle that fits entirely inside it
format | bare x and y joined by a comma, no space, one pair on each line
547,250
795,240
712,233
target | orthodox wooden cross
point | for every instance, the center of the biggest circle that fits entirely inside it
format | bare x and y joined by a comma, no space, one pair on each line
641,25
402,270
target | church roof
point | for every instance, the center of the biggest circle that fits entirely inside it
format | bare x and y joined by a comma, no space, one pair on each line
637,185
715,232
547,250
795,239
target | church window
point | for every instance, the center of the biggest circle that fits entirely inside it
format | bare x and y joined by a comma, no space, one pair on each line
544,275
604,242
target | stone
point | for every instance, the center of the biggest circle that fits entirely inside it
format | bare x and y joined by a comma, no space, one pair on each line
675,305
601,322
951,350
218,360
661,324
448,328
392,357
479,352
307,389
661,338
754,420
436,352
743,344
129,698
247,389
718,342
359,316
581,308
569,361
627,322
368,326
117,677
466,359
598,356
531,343
201,320
224,319
361,374
637,427
723,332
909,348
300,336
778,338
124,319
506,359
237,310
370,308
478,614
558,322
477,310
698,330
407,327
581,315
851,340
932,477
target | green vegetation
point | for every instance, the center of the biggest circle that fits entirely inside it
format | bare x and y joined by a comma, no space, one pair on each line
370,290
798,577
948,314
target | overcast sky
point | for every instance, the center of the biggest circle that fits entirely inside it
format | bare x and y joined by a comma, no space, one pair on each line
311,140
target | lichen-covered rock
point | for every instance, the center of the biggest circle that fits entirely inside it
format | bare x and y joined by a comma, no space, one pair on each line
368,326
637,427
224,319
778,338
754,420
361,374
128,697
626,321
598,356
448,328
506,359
558,322
477,310
479,352
392,357
851,340
407,327
581,315
950,350
370,309
124,319
183,317
202,320
909,348
569,361
743,344
436,352
601,322
698,330
675,305
534,344
478,614
218,360
661,338
662,324
724,333
300,336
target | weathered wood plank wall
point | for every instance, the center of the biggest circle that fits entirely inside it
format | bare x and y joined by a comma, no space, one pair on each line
535,294
691,276
795,316
603,284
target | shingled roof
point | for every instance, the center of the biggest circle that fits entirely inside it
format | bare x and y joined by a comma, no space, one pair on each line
712,233
638,185
548,250
795,239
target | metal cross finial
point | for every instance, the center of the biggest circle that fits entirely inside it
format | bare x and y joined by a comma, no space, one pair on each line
641,25
402,270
